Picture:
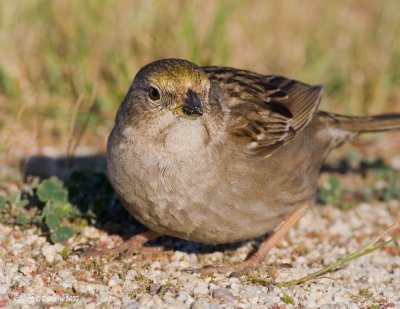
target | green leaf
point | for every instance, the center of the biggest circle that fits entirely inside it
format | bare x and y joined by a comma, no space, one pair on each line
14,197
287,299
334,183
62,210
81,222
52,190
16,200
22,203
21,219
52,222
392,191
46,211
62,234
65,253
331,192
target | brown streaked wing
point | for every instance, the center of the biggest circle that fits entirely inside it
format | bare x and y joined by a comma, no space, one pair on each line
266,110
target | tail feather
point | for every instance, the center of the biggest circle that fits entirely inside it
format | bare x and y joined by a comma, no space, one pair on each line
364,124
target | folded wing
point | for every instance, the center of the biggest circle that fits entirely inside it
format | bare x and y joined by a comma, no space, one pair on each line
266,111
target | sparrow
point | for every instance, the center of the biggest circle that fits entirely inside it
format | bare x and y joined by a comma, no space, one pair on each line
217,154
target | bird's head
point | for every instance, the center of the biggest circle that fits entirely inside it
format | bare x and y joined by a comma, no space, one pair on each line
172,103
170,87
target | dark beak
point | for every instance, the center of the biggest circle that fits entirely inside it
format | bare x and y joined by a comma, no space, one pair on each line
192,106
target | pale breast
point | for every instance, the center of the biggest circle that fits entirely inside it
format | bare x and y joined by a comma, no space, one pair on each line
185,139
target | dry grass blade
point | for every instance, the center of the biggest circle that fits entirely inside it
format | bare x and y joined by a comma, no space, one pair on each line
72,125
377,244
71,145
86,122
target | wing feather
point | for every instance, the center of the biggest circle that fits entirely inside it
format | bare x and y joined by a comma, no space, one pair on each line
266,111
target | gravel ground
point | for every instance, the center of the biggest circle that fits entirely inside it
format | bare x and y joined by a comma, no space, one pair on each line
35,272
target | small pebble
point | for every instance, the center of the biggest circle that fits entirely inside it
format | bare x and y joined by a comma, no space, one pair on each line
201,303
154,288
51,251
309,304
84,288
131,274
223,294
113,281
200,289
91,232
10,269
28,267
144,299
183,296
132,305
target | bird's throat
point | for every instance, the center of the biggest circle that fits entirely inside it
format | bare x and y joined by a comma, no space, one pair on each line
186,137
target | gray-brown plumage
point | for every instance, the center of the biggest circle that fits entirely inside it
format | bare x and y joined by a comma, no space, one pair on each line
218,155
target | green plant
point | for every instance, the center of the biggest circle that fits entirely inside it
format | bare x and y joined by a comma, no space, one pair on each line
23,208
287,299
164,288
333,193
392,189
12,209
57,207
143,282
330,192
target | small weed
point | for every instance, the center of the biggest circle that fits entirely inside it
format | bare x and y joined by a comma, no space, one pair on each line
382,183
364,293
61,209
21,219
57,207
143,282
65,253
332,193
18,201
165,288
392,189
12,209
95,267
133,294
260,281
287,299
48,205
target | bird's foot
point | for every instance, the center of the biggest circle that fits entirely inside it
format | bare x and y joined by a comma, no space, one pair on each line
130,247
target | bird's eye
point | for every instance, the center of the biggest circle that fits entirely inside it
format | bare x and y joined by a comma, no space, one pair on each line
154,94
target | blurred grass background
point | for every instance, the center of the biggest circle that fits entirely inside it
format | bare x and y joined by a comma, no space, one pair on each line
61,59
